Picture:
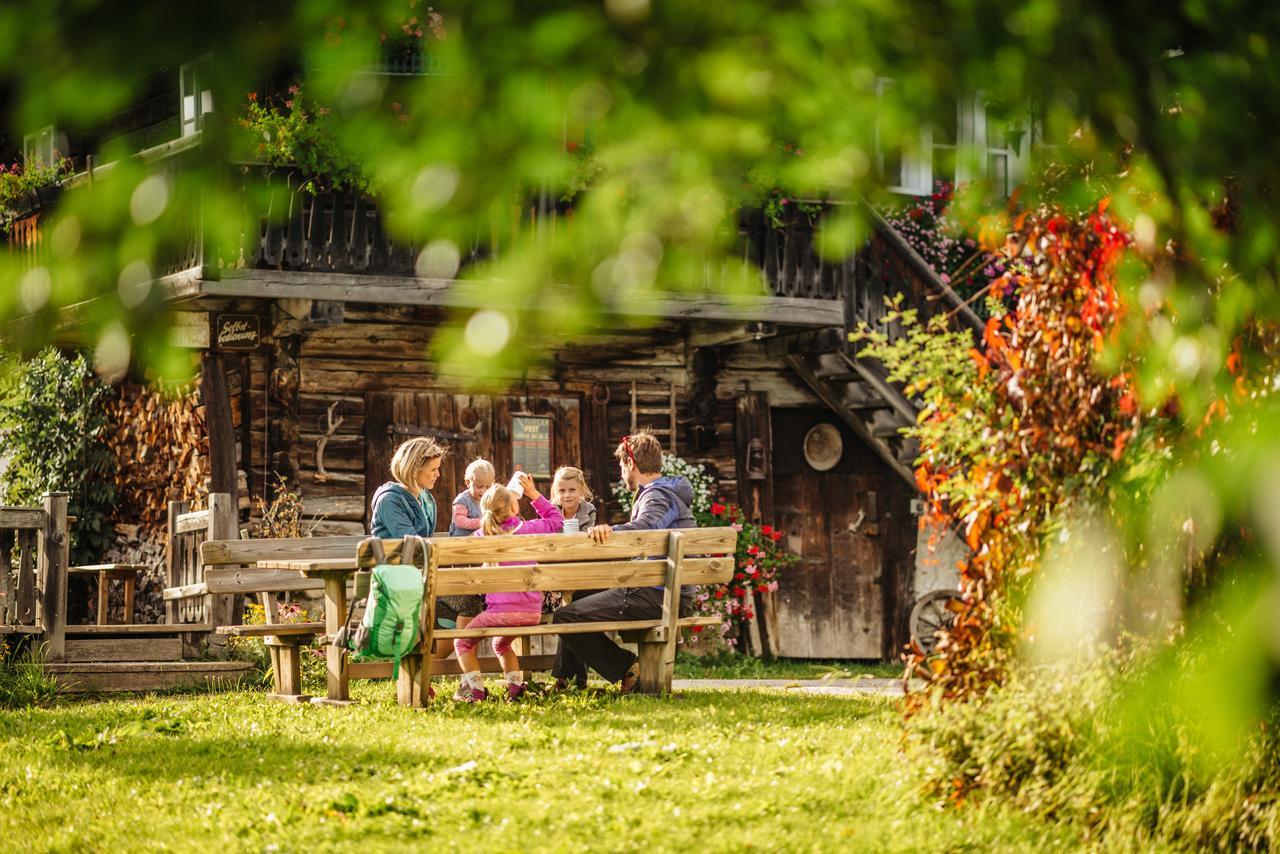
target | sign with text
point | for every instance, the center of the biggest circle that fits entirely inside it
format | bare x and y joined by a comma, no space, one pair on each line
237,332
531,444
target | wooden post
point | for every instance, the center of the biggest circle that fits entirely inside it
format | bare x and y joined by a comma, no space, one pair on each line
217,419
378,415
335,612
422,696
282,394
658,658
222,526
171,561
53,559
756,496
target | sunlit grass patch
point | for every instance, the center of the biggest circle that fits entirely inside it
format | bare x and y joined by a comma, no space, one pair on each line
579,771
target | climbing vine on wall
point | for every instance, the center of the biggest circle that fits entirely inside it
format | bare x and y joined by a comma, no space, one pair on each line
1015,427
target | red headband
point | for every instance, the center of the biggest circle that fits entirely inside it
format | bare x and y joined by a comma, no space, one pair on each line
626,445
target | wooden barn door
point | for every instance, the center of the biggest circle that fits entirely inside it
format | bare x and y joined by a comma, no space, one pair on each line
472,426
832,603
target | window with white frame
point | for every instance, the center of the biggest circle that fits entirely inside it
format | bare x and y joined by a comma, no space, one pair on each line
957,146
38,147
196,98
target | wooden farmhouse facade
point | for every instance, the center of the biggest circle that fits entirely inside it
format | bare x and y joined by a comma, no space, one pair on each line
312,345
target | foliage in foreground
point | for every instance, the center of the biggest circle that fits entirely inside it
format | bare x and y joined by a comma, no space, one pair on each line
236,772
53,425
1068,743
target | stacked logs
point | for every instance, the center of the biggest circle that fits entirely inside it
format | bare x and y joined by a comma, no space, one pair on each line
162,450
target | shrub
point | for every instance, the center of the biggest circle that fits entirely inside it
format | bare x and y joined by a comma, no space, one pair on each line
23,681
1072,744
19,182
53,425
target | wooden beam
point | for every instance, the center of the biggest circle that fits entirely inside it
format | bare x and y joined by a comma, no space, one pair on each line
446,293
32,518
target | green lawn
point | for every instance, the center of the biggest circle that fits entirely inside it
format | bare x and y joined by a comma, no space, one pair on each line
705,770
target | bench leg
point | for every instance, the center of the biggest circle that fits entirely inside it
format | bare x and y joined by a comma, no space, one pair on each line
407,685
130,587
288,679
286,669
655,671
103,588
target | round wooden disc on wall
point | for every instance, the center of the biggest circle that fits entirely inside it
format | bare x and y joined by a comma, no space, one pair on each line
823,447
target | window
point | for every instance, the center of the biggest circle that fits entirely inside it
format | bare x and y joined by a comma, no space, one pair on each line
956,146
196,100
906,168
38,147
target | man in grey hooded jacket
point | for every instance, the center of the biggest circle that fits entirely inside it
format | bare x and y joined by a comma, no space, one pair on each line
661,503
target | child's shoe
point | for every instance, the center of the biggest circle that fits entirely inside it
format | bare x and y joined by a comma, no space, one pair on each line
467,694
515,691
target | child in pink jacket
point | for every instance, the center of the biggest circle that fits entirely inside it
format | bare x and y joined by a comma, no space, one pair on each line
501,515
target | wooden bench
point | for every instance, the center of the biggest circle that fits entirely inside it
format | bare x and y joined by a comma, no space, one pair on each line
229,567
562,562
253,568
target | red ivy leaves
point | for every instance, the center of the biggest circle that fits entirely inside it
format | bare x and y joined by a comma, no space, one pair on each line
1052,419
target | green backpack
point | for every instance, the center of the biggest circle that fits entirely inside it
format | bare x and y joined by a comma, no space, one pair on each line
390,625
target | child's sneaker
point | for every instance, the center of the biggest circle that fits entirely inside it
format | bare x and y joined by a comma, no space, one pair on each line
467,694
515,692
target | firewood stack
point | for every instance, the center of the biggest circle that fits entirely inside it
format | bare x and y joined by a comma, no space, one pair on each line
162,449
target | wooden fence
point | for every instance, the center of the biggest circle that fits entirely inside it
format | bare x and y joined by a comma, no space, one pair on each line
34,546
187,600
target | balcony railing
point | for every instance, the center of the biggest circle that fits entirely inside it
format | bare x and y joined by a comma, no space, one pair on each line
344,231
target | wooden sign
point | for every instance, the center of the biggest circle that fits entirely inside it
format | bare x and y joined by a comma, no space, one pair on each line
531,444
237,332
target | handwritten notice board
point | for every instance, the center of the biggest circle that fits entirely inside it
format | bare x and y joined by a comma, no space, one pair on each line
531,444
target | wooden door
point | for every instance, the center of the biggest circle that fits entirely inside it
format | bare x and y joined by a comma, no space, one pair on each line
833,602
471,426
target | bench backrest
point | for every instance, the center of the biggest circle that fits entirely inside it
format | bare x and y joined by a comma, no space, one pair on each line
562,562
229,564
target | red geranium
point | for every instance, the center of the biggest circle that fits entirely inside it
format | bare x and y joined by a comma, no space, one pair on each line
766,529
753,550
717,509
776,536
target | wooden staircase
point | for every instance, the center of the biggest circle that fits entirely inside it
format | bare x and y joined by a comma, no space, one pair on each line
857,389
146,657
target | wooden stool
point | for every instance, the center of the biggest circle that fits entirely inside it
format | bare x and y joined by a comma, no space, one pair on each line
126,572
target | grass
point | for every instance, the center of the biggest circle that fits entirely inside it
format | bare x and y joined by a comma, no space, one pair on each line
735,666
707,769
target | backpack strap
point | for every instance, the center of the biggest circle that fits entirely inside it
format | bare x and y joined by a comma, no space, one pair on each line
375,546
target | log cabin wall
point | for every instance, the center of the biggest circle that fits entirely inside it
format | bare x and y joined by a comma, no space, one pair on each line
326,379
321,397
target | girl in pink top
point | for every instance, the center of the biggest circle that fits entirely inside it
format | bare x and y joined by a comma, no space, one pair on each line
501,515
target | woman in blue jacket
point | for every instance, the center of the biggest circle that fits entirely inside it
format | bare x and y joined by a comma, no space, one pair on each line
405,505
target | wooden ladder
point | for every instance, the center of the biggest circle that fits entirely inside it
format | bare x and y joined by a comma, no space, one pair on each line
652,402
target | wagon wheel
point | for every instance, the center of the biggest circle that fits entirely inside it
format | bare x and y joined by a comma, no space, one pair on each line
932,612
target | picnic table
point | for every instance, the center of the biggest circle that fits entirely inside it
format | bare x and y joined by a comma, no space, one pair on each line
667,559
107,572
335,572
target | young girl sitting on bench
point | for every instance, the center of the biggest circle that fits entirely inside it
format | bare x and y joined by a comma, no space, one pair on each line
501,515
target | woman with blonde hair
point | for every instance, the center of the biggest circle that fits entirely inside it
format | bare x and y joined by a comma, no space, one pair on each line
501,515
405,505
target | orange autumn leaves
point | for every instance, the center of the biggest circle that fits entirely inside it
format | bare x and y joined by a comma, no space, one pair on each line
1054,426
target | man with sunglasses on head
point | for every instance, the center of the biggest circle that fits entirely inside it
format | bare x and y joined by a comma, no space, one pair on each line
661,503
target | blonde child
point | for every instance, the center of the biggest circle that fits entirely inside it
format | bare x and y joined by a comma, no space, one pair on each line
466,505
501,515
569,492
